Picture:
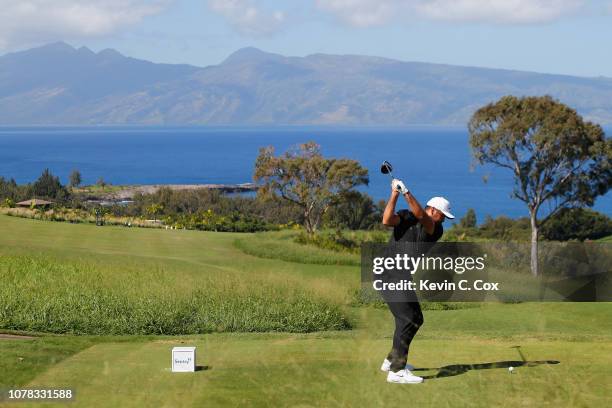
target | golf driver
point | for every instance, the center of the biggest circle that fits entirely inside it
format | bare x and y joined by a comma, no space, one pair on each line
387,168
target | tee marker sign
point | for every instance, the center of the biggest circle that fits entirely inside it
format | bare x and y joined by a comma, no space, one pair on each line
183,359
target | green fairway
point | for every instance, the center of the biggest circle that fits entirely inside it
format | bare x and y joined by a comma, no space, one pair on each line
463,354
307,370
341,368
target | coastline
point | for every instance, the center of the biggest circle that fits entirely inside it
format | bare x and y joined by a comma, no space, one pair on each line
128,192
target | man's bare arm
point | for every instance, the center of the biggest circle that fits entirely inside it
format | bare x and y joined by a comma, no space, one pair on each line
420,213
390,218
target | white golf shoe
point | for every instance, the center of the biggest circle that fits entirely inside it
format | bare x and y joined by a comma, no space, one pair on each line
386,366
403,377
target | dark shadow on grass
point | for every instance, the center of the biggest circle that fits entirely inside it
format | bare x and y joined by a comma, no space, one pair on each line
457,369
203,368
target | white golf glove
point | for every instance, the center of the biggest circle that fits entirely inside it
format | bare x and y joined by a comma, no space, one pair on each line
398,185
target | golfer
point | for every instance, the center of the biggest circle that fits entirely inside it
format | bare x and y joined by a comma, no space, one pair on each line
415,225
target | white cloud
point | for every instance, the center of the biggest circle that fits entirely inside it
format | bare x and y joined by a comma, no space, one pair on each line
24,22
364,13
247,17
360,13
498,11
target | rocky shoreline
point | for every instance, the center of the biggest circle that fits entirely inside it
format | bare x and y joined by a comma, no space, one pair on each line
128,192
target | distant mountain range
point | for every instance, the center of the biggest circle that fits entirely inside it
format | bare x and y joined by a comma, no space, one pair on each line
58,84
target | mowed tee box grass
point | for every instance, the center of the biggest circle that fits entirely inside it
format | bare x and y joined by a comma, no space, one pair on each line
110,303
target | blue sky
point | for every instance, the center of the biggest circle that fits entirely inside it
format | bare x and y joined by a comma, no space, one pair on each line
553,36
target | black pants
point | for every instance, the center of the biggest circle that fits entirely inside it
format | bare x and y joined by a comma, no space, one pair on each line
408,319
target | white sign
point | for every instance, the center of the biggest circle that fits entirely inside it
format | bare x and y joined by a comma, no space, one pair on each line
183,359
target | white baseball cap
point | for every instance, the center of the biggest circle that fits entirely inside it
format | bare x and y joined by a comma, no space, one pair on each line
442,204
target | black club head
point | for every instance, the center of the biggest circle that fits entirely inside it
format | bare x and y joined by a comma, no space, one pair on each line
386,168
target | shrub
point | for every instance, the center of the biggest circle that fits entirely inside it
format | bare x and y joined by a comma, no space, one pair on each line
49,186
505,228
353,210
577,223
210,221
9,203
501,228
469,220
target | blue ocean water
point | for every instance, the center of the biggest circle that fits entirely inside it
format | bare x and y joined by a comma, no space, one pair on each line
430,160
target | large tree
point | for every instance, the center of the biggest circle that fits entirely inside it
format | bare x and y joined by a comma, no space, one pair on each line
304,177
556,157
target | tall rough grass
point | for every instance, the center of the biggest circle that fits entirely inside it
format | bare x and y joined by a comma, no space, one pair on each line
38,293
341,241
280,245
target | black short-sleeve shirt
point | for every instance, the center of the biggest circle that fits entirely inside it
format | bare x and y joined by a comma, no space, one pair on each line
410,229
